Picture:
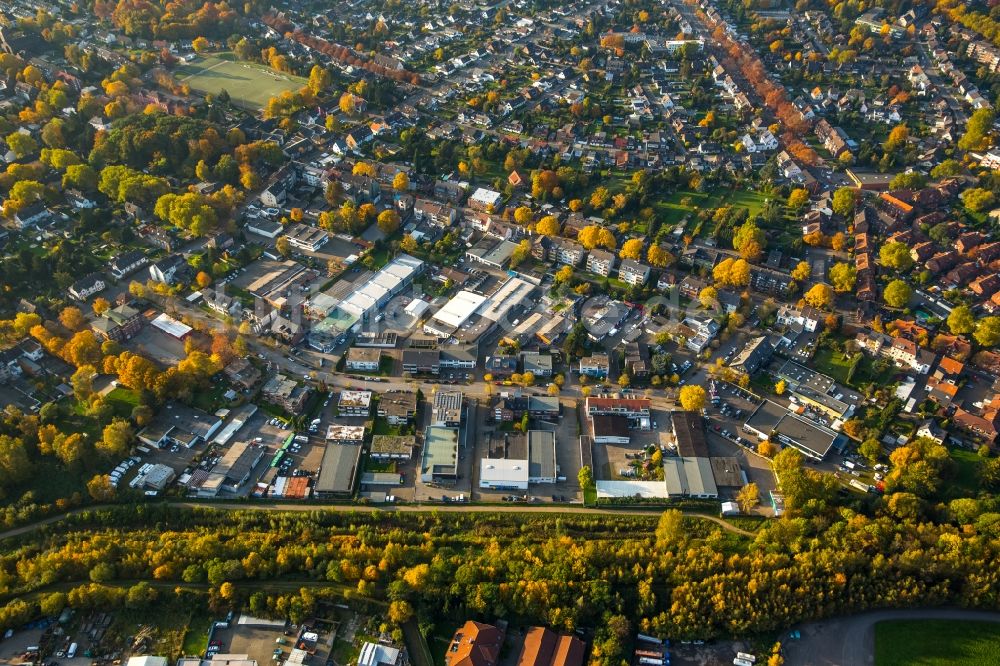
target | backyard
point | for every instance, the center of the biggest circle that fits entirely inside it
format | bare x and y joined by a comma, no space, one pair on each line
678,205
249,84
932,642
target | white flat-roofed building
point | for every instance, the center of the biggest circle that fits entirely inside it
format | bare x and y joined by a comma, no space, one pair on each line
455,312
306,238
377,291
375,654
511,294
484,200
503,474
337,433
354,403
171,326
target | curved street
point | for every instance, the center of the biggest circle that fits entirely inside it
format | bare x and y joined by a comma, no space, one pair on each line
850,641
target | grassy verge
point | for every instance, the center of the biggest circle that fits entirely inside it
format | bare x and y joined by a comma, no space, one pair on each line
933,642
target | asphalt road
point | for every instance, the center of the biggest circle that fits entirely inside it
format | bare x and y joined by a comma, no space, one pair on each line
850,641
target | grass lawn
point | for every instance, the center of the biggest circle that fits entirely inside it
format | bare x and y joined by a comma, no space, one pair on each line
933,642
967,463
124,400
196,636
210,399
835,364
673,210
249,85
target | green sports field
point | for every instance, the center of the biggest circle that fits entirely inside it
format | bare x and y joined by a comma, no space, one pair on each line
249,84
937,643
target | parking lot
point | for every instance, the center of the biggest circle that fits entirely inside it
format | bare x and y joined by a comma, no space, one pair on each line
265,641
735,405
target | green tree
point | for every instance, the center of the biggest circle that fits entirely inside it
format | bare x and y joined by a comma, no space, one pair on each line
843,276
871,450
897,294
961,320
798,198
844,201
988,331
977,199
896,255
977,130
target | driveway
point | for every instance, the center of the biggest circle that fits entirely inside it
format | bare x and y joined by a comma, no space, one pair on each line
850,641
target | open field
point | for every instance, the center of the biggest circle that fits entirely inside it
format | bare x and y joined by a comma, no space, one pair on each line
930,642
249,84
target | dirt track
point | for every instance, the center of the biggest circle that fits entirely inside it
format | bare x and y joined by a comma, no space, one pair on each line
444,508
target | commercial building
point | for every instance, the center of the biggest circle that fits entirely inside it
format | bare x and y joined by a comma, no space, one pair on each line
392,279
354,403
332,330
181,425
338,433
338,471
398,407
454,314
392,447
233,469
687,476
439,463
422,361
286,393
610,429
364,359
306,238
447,409
771,421
503,474
542,467
171,326
636,410
689,434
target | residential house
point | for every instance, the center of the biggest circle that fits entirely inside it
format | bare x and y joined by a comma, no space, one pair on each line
119,323
907,354
87,286
365,359
398,407
475,644
286,393
600,262
125,264
633,273
594,366
166,270
565,252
